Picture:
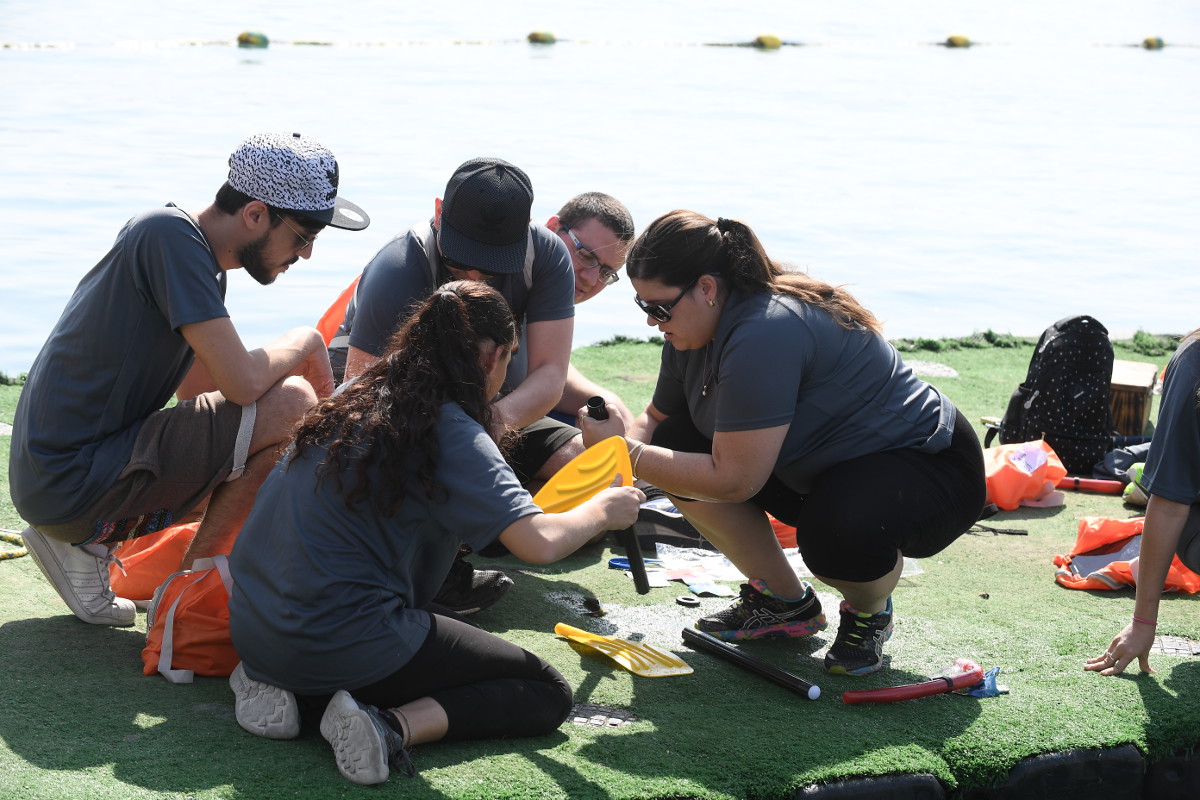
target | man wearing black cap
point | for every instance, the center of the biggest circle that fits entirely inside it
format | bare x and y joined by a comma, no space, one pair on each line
481,230
95,458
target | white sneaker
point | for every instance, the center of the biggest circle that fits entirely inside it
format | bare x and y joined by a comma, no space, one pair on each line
80,576
366,743
263,709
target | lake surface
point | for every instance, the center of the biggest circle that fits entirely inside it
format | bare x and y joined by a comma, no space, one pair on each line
1052,169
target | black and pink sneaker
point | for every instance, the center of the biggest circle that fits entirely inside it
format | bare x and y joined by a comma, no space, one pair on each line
759,614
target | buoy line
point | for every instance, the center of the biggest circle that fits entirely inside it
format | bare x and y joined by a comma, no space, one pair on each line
258,41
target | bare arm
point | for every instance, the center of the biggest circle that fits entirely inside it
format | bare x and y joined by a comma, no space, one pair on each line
1165,520
549,345
737,469
579,389
357,362
243,375
545,538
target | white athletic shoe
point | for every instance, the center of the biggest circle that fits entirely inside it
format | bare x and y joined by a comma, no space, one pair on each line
80,576
365,743
263,709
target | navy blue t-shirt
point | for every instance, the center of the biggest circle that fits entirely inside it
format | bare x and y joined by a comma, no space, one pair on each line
400,276
777,360
114,358
1173,464
329,598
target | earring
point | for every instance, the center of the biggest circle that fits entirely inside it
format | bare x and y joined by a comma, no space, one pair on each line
711,303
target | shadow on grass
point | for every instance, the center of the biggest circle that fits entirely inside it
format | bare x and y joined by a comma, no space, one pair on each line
76,702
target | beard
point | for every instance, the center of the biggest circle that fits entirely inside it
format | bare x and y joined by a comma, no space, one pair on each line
251,259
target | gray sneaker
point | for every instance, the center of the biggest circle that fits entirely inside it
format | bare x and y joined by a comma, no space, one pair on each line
263,709
80,576
366,741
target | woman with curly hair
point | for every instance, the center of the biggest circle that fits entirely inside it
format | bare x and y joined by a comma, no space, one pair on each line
354,532
777,393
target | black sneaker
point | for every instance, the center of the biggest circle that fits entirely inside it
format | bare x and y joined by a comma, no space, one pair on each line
367,742
858,648
759,614
467,590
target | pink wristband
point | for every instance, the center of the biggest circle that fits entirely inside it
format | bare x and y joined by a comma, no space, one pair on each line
1144,621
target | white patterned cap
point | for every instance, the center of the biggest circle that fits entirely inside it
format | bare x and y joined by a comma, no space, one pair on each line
296,173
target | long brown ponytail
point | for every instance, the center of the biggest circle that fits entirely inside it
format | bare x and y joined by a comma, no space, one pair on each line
389,415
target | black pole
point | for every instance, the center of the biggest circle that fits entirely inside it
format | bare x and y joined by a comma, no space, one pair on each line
699,640
596,409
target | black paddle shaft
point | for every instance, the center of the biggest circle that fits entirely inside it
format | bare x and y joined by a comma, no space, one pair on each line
596,409
699,640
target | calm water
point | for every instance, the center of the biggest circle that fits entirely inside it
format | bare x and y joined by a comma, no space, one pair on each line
1046,172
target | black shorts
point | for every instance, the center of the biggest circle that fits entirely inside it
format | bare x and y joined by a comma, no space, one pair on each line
861,512
536,444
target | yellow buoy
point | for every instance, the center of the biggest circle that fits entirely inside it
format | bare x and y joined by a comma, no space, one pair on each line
542,37
1153,43
957,40
768,41
252,39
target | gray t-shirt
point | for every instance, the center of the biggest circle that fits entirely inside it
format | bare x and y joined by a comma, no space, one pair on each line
329,598
401,275
1173,464
777,360
114,357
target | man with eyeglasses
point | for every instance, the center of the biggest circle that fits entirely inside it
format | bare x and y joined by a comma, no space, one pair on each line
95,458
480,230
597,230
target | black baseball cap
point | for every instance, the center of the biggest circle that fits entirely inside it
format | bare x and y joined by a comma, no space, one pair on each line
485,216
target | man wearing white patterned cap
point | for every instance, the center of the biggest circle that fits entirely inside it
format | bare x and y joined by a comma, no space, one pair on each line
95,458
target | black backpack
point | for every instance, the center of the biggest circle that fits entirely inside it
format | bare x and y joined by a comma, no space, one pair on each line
1065,395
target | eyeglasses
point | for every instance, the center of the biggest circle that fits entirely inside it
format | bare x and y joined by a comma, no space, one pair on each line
305,242
608,275
662,311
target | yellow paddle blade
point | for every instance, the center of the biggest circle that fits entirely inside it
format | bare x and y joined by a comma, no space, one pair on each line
637,657
585,475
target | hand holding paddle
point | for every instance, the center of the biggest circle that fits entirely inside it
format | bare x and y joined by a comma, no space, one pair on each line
597,424
597,410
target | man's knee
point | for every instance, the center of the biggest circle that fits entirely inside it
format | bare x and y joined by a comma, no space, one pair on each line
281,408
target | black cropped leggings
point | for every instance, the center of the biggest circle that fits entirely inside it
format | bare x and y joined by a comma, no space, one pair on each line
489,688
862,511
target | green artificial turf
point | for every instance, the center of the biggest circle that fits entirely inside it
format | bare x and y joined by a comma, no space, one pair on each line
78,719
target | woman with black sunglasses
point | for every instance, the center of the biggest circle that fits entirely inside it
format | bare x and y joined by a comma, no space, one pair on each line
777,393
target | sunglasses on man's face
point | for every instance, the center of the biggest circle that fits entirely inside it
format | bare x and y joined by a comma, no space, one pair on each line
461,267
662,311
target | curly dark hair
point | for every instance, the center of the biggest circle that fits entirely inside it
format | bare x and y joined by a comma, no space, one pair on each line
389,415
681,245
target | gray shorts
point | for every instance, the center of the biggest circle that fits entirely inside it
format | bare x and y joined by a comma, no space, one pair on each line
181,454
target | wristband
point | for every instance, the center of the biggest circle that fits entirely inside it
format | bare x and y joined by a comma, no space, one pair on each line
641,448
1144,621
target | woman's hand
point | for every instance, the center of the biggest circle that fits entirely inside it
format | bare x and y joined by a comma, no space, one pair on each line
1133,642
619,505
597,430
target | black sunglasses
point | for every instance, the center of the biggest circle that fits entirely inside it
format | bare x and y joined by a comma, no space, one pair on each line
458,265
662,311
461,267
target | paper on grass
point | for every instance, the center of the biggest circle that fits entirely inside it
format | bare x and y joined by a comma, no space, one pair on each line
717,567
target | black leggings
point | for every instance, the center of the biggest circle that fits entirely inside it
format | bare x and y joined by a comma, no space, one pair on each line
489,688
862,511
